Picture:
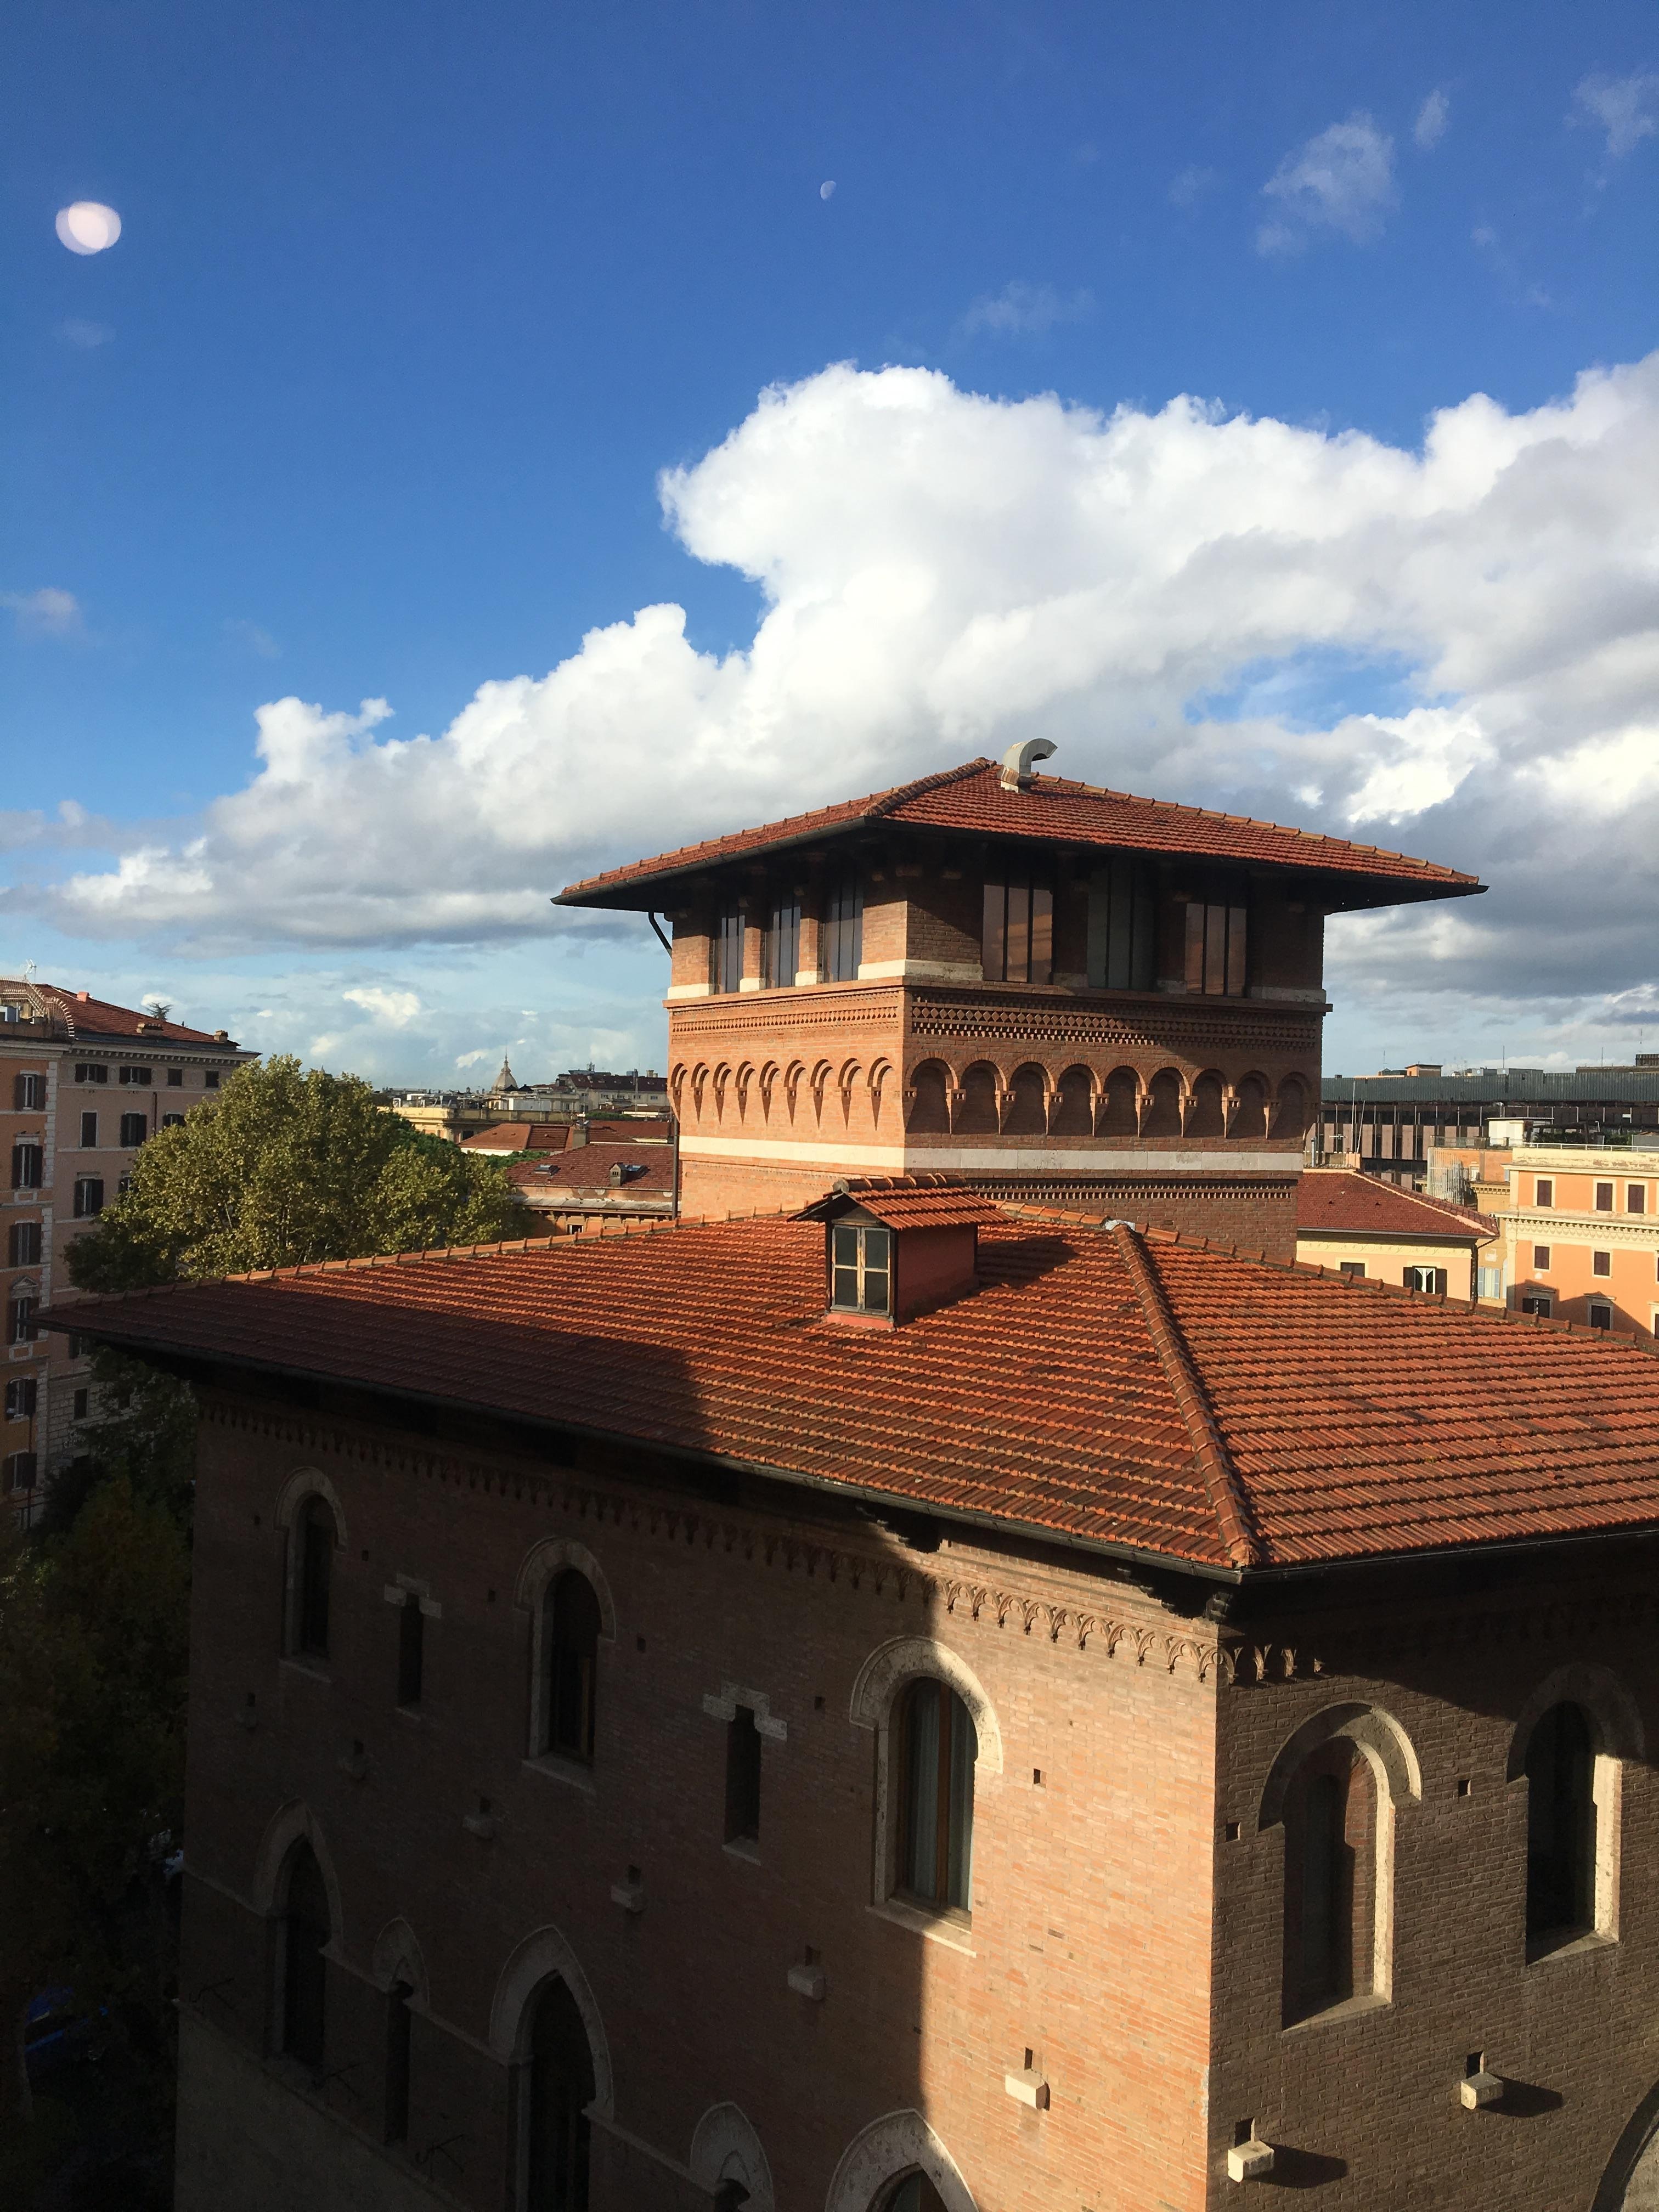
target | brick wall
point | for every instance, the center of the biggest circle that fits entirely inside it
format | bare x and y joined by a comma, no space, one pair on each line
1364,2103
1090,1941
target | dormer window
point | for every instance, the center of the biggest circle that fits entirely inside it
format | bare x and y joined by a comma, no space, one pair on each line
860,1268
897,1246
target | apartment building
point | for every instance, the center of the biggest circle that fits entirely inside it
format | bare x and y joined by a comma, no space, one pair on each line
1367,1228
83,1084
1580,1232
1388,1123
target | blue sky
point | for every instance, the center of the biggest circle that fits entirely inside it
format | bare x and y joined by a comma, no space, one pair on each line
412,305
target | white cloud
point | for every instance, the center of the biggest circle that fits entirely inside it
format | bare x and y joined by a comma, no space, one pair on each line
1453,649
1624,108
47,612
398,1008
1432,117
1189,187
87,335
1026,310
1342,181
258,639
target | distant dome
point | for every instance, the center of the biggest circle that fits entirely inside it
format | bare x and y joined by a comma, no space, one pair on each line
506,1080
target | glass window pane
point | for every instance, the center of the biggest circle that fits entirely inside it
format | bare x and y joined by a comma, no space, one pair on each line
845,1245
877,1242
964,1750
1215,950
875,1290
1235,925
844,1289
1043,933
995,943
919,1870
1018,957
1194,946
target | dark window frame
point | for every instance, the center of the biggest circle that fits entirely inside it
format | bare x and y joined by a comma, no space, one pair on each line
862,1256
315,1540
1016,932
89,1201
1562,1816
572,1625
1216,947
744,1762
411,1651
937,1747
841,931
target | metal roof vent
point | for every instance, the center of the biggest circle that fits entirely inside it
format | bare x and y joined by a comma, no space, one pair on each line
1017,773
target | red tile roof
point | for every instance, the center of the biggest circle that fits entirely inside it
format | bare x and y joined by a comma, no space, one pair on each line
971,799
94,1019
1341,1202
909,1201
519,1137
1149,1393
584,1171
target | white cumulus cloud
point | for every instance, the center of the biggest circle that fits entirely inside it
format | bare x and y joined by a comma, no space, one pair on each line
1432,117
47,612
398,1008
1025,310
1342,181
1453,649
1625,109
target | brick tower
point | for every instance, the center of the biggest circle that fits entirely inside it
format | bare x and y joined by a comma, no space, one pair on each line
1053,991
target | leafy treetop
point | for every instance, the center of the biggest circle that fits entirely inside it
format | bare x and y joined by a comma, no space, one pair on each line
285,1166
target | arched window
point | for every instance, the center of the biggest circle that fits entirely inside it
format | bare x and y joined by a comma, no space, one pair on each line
570,1635
1120,1116
929,1113
559,2090
1204,1117
305,1929
1560,1771
1330,1881
1164,1112
914,2193
938,1749
313,1540
977,1114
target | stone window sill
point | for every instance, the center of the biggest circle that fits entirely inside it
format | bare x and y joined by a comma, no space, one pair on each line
568,1770
313,1670
1350,2008
1549,1950
742,1847
953,1929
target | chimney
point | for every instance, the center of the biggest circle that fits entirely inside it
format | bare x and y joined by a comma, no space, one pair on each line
898,1246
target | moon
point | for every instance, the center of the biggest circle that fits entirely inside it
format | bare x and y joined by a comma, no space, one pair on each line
87,226
827,188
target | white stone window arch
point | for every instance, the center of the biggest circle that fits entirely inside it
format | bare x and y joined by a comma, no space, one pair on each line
884,1676
725,2148
884,2154
1616,1736
304,1484
1397,1778
543,1957
542,1567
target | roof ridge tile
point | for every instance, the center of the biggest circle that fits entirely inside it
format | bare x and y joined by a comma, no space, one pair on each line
1228,1500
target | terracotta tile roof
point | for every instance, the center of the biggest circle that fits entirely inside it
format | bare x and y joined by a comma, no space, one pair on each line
585,1171
1151,1393
909,1201
519,1137
971,799
625,1131
94,1019
1342,1202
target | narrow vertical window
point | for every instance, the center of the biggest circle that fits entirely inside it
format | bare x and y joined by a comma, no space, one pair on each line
1330,1874
89,1197
783,943
725,951
314,1532
743,1778
306,1931
398,2052
570,1636
411,1650
1217,944
25,1162
1604,1198
1122,943
135,1127
1560,1769
89,1131
938,1749
29,1093
1019,939
560,2089
24,1244
843,931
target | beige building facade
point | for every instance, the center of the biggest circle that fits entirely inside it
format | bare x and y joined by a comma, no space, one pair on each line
83,1084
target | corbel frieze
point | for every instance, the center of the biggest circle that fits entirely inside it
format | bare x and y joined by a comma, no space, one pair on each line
1145,1642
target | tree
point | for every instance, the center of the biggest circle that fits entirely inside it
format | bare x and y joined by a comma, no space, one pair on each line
285,1166
93,1641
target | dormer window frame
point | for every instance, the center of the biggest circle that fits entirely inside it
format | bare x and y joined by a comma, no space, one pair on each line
851,1249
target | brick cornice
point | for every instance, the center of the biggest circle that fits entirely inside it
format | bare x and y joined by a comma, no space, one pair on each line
1035,1613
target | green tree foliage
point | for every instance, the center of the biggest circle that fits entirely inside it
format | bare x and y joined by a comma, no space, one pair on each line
92,1652
287,1166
